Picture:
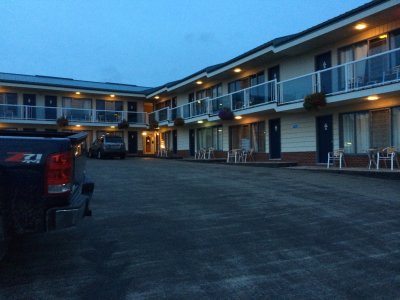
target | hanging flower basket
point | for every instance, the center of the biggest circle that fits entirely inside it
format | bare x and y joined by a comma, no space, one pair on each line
179,121
123,124
62,121
226,114
314,101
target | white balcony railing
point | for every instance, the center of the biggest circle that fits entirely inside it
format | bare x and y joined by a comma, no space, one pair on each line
371,71
44,113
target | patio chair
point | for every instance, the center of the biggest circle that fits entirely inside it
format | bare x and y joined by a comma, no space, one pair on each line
372,152
200,154
337,155
210,153
233,155
250,154
387,154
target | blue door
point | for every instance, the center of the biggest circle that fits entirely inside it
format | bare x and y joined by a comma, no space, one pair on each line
324,137
30,106
322,62
51,107
274,139
132,142
175,141
132,109
191,142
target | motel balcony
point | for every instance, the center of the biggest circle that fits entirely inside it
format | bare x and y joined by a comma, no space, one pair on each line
89,117
356,79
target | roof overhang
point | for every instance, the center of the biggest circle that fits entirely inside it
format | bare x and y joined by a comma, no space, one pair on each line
70,89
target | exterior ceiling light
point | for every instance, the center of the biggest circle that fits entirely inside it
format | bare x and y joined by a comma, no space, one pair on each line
157,97
112,95
200,122
237,70
78,125
383,36
238,117
199,82
360,26
78,93
112,127
372,98
144,133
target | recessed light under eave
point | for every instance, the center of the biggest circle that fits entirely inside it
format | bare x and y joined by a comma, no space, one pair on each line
360,26
199,82
372,98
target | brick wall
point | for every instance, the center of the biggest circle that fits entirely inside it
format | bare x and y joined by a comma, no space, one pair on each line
302,158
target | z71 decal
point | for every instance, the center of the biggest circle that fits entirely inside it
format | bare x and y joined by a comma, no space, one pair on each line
26,158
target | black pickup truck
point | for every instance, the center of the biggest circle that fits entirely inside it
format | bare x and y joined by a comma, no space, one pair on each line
43,182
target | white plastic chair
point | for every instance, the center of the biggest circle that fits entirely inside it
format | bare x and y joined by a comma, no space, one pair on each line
233,155
210,153
337,155
388,153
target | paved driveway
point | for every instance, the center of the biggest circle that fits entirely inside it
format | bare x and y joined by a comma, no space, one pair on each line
173,229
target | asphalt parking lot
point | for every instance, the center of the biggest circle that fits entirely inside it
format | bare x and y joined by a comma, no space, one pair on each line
179,230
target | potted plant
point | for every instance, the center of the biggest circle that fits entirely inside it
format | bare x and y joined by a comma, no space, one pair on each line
226,114
62,121
314,101
123,124
179,121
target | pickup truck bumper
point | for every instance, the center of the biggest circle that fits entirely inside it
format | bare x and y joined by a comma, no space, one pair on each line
64,217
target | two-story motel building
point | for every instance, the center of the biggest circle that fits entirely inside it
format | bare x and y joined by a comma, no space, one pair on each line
354,59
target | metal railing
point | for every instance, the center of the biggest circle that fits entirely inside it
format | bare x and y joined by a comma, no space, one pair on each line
45,113
367,72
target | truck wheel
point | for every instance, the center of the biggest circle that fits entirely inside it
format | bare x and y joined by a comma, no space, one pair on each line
99,155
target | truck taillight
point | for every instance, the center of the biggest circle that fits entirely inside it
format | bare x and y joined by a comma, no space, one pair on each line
58,173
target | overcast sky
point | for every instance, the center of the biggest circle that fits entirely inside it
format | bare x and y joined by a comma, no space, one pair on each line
145,42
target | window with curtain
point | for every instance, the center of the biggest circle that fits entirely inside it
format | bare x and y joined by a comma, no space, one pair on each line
355,132
109,111
210,137
166,140
248,136
360,131
394,42
11,109
77,109
396,127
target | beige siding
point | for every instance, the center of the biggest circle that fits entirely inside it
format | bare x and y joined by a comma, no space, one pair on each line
301,138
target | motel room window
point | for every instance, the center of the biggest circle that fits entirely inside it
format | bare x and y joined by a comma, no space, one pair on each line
8,102
109,111
166,140
77,109
360,131
396,127
210,137
248,136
